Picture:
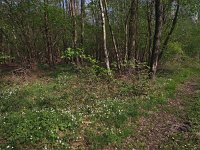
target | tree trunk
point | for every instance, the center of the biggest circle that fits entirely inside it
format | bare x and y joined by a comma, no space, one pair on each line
113,38
157,39
74,26
1,34
132,30
104,37
174,22
73,15
82,20
47,33
1,41
150,7
126,36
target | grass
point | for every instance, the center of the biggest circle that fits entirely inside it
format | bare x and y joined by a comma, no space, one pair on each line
70,108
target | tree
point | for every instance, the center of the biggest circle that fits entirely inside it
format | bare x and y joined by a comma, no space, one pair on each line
82,21
107,61
120,32
157,39
174,22
132,31
47,33
113,37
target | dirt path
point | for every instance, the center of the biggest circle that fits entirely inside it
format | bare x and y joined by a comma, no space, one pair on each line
156,129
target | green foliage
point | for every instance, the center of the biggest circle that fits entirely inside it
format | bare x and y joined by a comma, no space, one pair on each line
73,53
39,128
106,137
79,53
115,112
174,51
4,58
171,88
187,35
134,89
194,44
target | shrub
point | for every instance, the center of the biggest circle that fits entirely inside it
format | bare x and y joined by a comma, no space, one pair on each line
174,51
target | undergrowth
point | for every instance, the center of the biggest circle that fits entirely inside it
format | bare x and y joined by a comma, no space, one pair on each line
69,106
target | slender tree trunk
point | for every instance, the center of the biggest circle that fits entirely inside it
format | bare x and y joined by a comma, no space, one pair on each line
82,21
150,7
126,37
96,24
104,37
113,38
132,31
63,8
136,32
1,41
1,34
47,33
67,6
73,15
157,39
74,25
174,22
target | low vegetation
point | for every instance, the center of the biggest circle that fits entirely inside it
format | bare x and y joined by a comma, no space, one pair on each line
70,108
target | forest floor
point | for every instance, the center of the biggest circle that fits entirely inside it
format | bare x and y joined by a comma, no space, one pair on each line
173,126
73,108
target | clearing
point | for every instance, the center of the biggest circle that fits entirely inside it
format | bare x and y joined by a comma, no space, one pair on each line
70,108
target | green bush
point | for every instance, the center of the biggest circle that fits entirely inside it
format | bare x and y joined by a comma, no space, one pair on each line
174,51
